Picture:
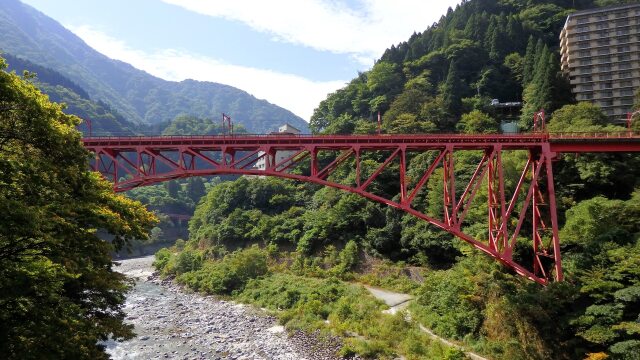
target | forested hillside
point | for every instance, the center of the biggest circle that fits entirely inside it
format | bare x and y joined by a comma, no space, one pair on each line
139,97
485,49
440,80
58,293
61,89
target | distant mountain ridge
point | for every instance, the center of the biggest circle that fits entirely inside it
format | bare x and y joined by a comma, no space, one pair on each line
60,89
138,96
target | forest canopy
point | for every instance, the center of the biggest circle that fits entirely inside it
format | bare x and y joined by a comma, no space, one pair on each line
59,295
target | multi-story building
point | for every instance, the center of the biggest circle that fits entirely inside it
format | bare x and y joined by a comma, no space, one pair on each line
601,54
280,155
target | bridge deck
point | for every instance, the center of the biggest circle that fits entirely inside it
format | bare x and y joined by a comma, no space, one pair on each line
559,142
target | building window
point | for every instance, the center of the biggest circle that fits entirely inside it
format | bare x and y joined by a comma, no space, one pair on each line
585,70
624,48
606,67
586,78
583,37
588,87
607,94
585,53
602,17
606,85
620,32
583,45
626,101
583,20
604,59
620,14
624,74
623,40
624,57
603,42
606,103
626,83
624,66
603,34
601,26
604,51
587,96
622,22
585,62
626,92
582,29
606,77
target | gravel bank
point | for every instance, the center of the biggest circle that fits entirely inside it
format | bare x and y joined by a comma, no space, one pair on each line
173,324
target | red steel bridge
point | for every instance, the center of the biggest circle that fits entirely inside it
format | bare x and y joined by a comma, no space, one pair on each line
518,203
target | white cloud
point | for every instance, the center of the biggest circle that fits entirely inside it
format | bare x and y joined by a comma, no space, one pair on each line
328,25
295,93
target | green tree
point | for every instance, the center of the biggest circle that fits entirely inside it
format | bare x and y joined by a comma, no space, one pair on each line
58,293
529,62
195,188
172,188
477,122
452,91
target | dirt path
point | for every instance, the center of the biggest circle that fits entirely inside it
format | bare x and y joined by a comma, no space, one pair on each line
398,301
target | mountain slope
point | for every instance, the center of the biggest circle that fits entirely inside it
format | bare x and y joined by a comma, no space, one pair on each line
139,96
61,89
482,50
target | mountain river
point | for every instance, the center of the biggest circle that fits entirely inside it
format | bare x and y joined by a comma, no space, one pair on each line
172,323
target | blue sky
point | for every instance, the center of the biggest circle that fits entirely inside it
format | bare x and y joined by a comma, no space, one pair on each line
289,52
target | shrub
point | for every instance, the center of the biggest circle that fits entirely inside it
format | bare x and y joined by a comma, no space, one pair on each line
228,275
349,256
162,259
187,260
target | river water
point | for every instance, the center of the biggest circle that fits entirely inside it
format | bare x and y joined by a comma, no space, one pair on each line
171,323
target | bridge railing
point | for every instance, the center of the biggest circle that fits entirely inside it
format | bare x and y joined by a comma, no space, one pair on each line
595,135
574,135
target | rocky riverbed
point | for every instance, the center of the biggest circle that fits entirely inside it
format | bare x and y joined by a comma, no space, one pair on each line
171,323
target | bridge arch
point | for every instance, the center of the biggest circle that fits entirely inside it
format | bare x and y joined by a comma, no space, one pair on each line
140,161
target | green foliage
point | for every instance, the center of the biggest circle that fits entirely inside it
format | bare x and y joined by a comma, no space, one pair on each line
548,88
582,116
163,256
503,50
611,175
606,263
449,306
308,304
138,96
61,89
392,276
59,295
349,255
224,277
477,122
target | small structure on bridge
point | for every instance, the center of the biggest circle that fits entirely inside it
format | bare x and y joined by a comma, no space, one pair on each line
507,113
281,155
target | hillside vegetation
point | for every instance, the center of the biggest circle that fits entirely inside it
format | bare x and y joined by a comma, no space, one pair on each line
440,80
140,97
59,295
61,89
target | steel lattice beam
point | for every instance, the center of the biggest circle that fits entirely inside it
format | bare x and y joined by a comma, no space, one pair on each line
130,162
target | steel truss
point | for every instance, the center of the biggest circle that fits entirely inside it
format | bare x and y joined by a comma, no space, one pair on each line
382,161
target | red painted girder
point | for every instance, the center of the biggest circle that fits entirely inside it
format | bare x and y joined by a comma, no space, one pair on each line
560,142
330,141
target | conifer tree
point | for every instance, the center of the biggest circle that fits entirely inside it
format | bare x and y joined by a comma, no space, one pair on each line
529,62
452,91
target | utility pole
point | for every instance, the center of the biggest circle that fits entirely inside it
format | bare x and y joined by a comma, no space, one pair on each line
227,125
